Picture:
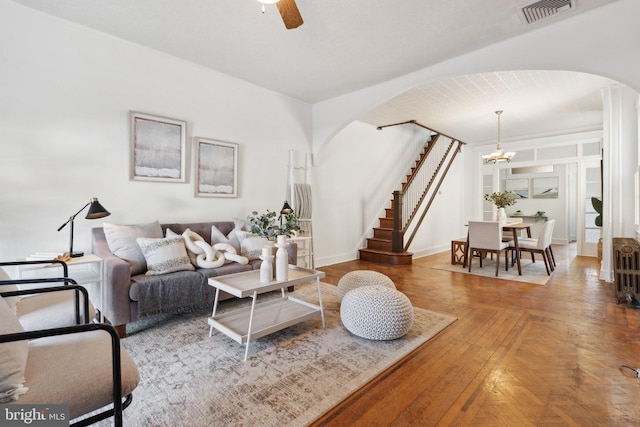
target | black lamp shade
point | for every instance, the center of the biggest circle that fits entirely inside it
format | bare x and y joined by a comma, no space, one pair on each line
286,209
96,210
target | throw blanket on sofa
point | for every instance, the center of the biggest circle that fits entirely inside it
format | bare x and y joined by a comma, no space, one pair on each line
179,292
183,291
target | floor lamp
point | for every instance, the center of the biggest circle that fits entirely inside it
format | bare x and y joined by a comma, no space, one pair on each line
96,210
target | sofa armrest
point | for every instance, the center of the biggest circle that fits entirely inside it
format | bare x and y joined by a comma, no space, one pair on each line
116,279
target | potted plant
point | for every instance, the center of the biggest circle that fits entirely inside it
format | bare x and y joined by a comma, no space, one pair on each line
501,200
540,215
266,224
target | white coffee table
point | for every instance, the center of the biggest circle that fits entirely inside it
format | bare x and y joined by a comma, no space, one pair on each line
250,323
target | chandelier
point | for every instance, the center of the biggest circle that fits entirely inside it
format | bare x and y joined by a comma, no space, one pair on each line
499,155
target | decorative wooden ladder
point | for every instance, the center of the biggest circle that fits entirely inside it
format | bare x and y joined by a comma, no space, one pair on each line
411,202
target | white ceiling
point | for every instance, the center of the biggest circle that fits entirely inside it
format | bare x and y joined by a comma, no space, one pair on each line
535,103
346,45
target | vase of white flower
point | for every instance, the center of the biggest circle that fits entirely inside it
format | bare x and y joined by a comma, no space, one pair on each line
501,201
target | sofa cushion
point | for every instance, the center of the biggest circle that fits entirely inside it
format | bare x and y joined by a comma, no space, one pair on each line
122,242
251,244
217,236
241,224
164,255
193,257
202,228
13,356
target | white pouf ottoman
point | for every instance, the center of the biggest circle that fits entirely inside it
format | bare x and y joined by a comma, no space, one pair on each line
358,278
376,312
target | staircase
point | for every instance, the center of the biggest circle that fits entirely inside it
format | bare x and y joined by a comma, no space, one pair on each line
379,246
411,202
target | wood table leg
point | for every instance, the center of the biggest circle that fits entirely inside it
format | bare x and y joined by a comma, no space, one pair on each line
515,244
466,253
253,309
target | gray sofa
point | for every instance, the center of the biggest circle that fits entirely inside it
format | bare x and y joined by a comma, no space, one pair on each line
128,298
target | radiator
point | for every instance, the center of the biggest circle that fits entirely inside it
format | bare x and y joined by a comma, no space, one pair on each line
626,267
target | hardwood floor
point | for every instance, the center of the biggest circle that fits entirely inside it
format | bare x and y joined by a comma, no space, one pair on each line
518,355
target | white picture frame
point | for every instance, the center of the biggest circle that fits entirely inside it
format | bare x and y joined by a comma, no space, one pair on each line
217,168
158,149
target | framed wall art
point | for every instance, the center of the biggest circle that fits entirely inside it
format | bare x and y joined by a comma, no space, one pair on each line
519,187
217,172
545,188
158,149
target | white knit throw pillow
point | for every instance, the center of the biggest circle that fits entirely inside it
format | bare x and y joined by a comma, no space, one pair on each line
164,255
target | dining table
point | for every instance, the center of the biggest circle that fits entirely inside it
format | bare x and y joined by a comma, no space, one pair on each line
515,228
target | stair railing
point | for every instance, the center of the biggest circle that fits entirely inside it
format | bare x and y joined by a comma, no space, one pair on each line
424,177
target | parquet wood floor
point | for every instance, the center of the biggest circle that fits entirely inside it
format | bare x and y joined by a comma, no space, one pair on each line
518,355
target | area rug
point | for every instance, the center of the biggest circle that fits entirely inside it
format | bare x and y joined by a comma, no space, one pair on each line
532,272
291,377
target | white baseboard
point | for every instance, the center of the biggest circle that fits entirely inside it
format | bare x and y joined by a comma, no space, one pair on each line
419,253
336,259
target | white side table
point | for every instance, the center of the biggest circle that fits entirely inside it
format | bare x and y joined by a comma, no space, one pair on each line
86,270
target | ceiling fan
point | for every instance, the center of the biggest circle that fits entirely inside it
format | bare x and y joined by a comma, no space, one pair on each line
288,10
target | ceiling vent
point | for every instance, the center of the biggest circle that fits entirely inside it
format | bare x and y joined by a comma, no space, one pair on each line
544,8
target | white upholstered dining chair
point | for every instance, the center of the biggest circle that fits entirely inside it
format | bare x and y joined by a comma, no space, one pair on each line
486,236
541,245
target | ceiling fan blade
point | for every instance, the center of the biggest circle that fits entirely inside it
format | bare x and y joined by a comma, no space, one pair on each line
290,14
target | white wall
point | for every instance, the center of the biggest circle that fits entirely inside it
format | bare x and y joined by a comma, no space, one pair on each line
65,92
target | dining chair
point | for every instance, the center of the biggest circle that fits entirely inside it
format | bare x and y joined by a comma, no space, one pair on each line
486,236
541,245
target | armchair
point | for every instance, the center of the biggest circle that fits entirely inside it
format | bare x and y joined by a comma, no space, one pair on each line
82,366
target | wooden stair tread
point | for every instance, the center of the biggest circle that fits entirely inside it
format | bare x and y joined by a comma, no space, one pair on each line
386,257
404,253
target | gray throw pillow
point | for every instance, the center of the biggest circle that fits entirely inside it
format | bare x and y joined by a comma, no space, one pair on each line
122,242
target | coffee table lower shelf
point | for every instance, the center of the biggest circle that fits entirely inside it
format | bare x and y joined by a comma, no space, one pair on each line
268,317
